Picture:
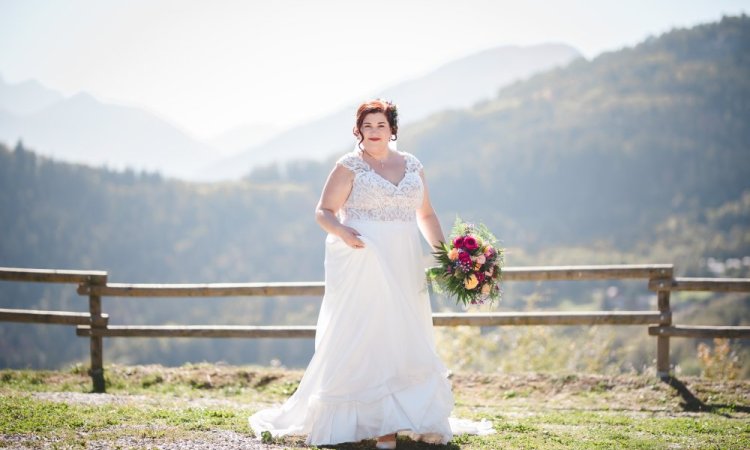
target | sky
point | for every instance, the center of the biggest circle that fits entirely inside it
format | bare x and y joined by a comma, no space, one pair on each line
209,66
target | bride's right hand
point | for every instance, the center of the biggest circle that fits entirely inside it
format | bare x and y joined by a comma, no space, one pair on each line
350,236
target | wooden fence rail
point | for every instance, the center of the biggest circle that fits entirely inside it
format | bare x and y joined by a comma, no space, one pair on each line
58,317
51,276
95,324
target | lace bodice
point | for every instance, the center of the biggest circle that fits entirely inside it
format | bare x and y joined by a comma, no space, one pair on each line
375,198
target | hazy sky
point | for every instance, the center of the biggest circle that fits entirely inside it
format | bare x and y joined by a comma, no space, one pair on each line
210,65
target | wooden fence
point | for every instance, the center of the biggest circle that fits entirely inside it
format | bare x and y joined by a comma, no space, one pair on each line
95,324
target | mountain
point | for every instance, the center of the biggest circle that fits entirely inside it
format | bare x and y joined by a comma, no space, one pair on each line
25,98
601,149
83,129
458,84
237,139
6,116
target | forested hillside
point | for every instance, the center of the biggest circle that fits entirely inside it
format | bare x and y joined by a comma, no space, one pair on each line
640,155
603,149
141,227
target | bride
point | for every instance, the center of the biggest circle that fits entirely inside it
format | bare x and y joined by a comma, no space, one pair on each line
375,371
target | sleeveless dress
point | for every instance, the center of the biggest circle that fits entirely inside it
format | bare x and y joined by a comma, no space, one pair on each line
375,370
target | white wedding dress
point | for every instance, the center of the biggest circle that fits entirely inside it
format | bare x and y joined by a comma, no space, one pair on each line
375,370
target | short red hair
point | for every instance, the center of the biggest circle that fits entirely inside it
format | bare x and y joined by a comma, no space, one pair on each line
377,106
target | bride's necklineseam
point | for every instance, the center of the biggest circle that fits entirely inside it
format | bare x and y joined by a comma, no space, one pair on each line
361,153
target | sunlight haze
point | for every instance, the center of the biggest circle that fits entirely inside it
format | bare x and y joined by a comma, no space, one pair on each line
210,66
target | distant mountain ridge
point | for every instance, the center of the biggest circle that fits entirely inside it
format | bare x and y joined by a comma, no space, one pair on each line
455,85
25,98
237,139
602,149
85,130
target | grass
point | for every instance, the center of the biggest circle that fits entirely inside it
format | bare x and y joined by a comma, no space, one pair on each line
200,405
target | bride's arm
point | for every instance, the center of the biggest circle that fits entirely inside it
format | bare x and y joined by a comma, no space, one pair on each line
427,219
335,192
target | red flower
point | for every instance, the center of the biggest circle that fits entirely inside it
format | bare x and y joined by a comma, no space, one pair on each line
480,277
470,243
464,257
458,242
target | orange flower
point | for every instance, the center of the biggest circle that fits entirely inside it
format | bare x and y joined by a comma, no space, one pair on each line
453,254
471,282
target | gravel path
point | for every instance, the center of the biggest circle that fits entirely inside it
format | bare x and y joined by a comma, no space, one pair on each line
127,399
214,440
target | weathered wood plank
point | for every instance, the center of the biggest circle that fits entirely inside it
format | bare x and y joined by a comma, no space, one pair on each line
96,344
696,331
311,288
50,275
702,284
548,318
443,319
199,331
317,288
663,365
550,273
663,303
37,316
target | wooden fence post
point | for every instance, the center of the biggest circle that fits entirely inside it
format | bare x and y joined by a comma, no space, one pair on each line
96,347
662,342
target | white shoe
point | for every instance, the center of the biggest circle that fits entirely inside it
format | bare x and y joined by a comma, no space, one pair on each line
386,445
431,438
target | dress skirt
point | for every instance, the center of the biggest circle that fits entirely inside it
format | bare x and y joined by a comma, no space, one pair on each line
375,370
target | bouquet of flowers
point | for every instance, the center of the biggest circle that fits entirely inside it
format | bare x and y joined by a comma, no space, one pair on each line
470,265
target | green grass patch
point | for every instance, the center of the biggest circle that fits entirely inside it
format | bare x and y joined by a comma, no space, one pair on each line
22,414
155,405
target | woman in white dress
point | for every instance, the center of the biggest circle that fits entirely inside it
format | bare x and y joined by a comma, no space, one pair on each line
375,371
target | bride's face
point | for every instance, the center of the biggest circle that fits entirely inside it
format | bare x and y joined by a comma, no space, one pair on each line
375,129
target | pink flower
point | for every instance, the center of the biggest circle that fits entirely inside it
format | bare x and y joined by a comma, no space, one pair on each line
464,257
480,277
489,252
470,243
458,242
481,259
